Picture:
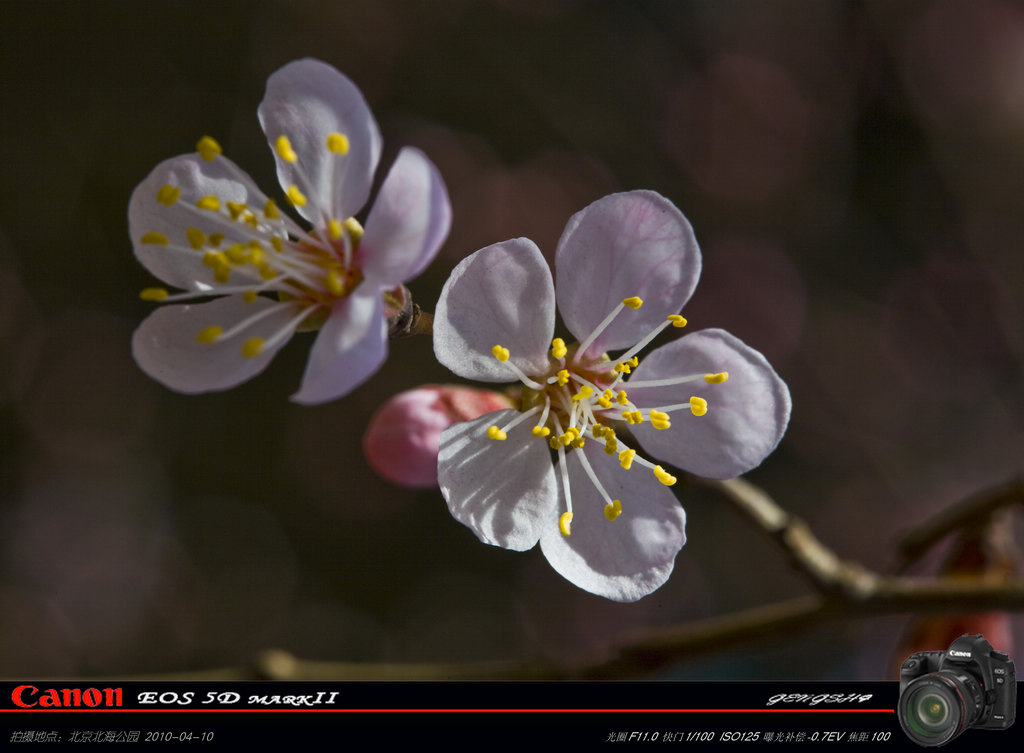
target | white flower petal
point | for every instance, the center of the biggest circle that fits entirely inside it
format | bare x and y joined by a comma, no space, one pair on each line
177,263
307,101
504,490
626,244
408,223
350,347
623,559
746,416
167,348
500,295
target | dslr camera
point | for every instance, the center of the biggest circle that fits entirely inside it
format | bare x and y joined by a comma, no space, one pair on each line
942,693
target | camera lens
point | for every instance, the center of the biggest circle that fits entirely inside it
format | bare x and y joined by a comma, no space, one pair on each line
937,707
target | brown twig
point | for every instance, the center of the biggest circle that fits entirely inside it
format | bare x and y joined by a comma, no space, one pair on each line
843,590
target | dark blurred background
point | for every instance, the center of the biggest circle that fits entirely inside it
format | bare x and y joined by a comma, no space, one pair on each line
855,175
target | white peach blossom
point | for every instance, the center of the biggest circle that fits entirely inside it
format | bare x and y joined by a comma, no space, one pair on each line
559,470
200,224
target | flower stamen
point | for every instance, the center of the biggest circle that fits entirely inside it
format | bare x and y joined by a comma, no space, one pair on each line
627,357
633,303
609,502
208,148
337,143
251,349
564,523
502,354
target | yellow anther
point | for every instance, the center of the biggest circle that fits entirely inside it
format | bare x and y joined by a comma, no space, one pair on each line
196,237
541,431
277,243
493,432
553,443
664,476
677,320
698,406
633,417
256,253
634,362
236,253
622,368
266,271
335,229
716,378
660,420
558,349
564,523
634,303
249,296
335,282
222,274
252,347
210,334
337,143
208,148
622,398
284,150
211,203
214,259
168,195
579,442
216,239
626,458
270,210
235,208
500,353
355,230
154,238
570,436
295,196
563,377
613,510
584,393
153,294
611,446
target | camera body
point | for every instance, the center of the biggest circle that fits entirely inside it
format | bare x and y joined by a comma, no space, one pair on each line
942,693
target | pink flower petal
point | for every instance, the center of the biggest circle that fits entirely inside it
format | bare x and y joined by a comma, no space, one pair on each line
306,101
408,223
503,490
166,344
500,295
624,245
349,348
623,559
177,263
746,415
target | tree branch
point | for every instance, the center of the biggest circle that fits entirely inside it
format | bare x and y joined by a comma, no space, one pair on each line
842,590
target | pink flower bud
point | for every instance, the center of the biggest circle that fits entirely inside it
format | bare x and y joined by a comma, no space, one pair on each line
402,440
